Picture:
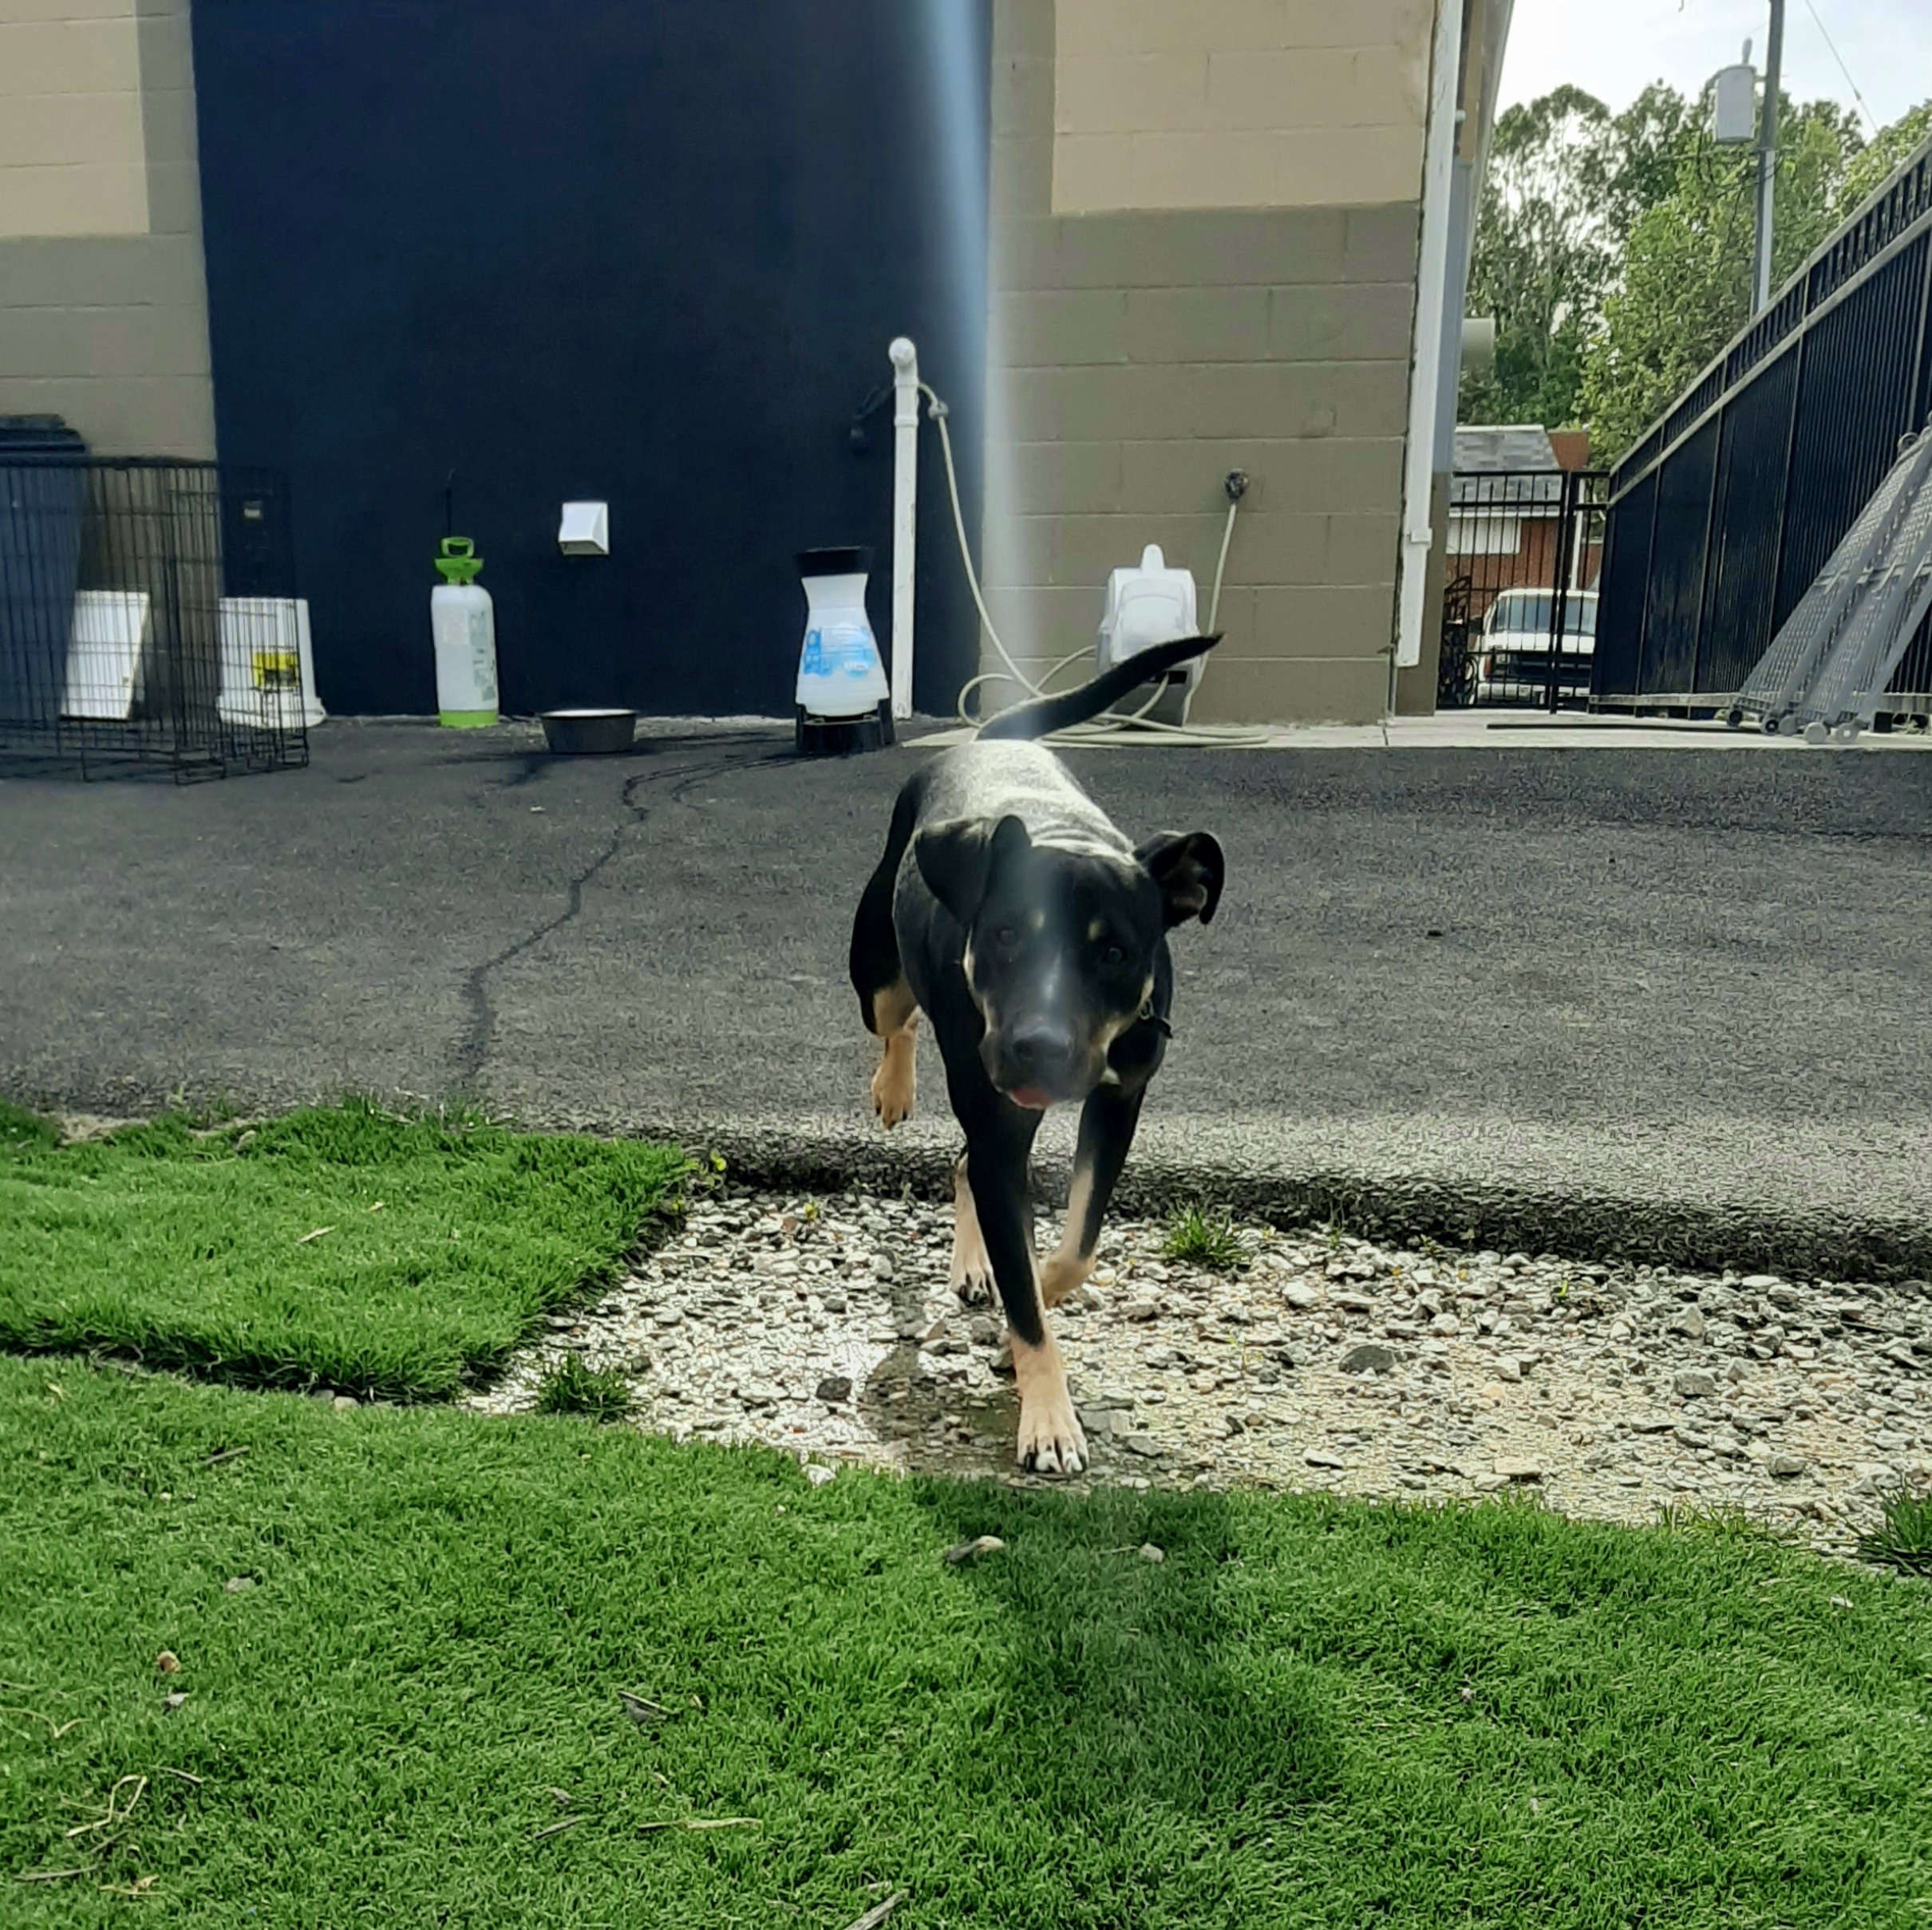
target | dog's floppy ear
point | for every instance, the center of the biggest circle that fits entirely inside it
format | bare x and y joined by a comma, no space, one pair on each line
957,859
1189,871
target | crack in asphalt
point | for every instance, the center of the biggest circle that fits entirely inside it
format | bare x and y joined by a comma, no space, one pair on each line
473,1046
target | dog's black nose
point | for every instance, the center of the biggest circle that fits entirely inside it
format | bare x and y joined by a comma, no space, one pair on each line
1043,1051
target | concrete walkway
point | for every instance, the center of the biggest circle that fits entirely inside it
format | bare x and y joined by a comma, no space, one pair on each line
1522,730
1635,999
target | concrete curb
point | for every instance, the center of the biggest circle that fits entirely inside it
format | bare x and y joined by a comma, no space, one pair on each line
1702,1234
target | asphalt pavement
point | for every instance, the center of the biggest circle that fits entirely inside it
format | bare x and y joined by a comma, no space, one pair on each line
1642,1000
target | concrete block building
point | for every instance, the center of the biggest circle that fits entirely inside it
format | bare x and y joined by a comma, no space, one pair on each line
653,255
104,315
1207,220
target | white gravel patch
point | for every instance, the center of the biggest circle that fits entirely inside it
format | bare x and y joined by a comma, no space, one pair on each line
824,1326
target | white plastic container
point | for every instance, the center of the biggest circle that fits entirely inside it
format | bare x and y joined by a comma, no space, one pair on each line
104,653
840,674
1734,103
1146,605
463,623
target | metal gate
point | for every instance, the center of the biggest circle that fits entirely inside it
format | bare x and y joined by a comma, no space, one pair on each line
1520,600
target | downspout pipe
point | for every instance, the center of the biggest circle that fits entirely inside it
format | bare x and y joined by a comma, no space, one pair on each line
1426,364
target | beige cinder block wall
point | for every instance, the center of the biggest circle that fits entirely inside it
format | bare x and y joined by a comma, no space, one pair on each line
1205,223
103,299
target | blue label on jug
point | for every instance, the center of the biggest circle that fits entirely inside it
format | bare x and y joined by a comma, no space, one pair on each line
847,652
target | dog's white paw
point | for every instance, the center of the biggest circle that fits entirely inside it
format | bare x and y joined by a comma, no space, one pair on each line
1051,1441
894,1083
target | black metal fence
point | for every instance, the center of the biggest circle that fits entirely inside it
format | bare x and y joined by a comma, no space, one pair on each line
147,615
1722,513
1520,600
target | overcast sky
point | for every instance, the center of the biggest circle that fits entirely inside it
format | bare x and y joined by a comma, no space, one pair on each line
1614,47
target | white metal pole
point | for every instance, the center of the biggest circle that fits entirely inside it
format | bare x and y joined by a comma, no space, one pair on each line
905,520
1767,158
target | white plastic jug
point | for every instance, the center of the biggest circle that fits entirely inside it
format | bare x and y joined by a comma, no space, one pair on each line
1145,607
840,671
463,624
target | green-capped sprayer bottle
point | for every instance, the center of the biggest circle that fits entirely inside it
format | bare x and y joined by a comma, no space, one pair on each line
463,622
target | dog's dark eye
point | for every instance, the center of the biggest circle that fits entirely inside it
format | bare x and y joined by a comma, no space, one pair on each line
1007,935
1114,955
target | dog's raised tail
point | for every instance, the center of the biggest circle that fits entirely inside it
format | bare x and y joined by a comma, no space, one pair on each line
1045,715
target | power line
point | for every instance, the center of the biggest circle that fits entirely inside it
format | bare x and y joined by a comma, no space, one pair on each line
1843,69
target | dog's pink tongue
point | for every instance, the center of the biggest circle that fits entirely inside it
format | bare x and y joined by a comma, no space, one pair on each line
1036,1099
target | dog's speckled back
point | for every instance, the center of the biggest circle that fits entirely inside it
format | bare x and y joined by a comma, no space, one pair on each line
1027,781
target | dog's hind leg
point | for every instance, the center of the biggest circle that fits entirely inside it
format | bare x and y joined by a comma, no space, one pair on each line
878,977
897,1078
1107,1123
972,1272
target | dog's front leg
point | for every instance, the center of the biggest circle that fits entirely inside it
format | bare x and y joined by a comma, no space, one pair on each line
1050,1440
1107,1123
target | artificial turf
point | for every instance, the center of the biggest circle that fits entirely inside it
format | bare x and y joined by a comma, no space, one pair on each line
1306,1713
343,1247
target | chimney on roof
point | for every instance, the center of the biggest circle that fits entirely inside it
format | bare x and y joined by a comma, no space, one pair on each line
1570,448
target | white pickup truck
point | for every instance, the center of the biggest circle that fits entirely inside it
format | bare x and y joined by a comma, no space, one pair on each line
1512,650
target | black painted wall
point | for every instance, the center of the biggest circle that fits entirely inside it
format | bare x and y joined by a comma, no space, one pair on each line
646,250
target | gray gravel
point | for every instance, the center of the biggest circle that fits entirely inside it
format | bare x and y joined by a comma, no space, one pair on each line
822,1325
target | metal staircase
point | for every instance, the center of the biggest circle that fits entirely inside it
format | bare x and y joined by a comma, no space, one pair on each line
1827,668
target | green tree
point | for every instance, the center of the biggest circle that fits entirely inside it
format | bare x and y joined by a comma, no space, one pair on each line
1543,251
1615,250
1567,182
1652,136
1885,150
1685,285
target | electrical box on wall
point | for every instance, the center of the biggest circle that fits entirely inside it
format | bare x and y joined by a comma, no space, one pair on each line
585,530
1734,103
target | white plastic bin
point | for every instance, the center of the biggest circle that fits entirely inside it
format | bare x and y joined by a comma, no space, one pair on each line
104,654
267,664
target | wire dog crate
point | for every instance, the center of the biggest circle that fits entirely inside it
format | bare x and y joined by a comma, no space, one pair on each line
147,617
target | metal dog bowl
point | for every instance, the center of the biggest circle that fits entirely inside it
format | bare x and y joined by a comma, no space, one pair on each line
589,733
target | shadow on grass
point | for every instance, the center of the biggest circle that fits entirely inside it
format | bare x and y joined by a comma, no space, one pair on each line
1130,1684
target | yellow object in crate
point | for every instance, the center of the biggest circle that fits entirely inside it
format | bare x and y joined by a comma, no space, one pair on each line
267,669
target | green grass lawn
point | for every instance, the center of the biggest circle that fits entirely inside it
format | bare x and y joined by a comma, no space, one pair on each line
345,1248
1307,1714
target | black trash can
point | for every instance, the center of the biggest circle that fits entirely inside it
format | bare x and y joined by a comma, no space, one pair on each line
43,493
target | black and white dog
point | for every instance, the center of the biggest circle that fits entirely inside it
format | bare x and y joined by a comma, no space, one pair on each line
1010,910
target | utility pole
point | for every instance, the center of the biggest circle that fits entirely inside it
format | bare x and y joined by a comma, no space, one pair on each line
1767,158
